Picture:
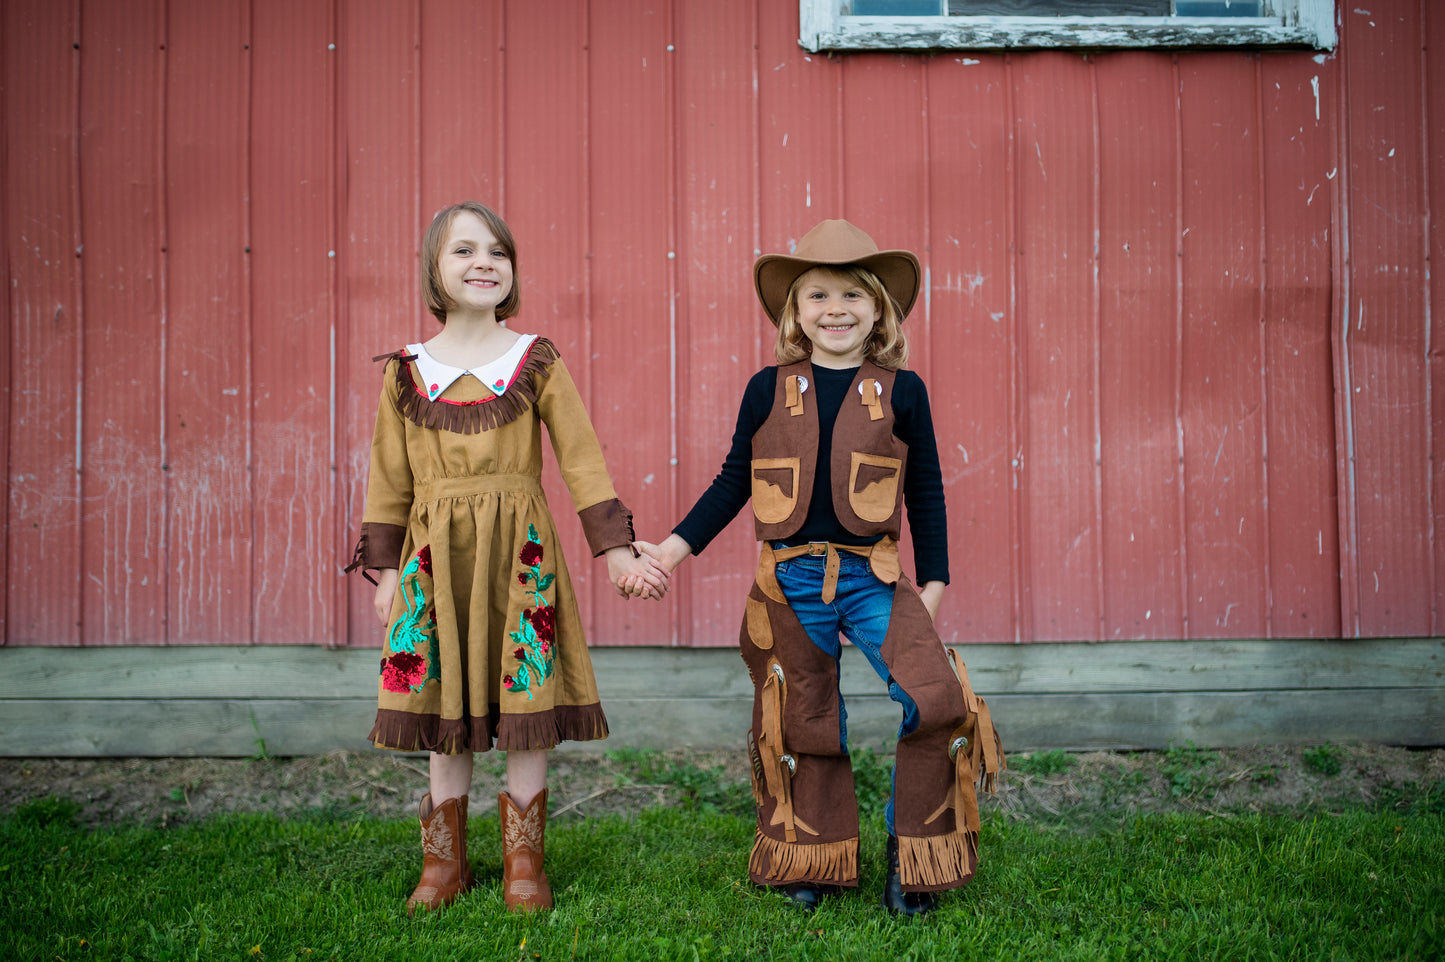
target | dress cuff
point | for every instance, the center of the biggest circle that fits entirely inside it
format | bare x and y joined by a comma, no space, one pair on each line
378,547
607,524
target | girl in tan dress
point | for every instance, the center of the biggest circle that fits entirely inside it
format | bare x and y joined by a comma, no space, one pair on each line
484,643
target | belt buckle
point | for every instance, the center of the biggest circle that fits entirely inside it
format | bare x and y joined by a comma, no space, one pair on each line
817,548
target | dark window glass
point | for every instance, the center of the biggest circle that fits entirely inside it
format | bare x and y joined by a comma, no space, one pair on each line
1058,8
1217,8
897,8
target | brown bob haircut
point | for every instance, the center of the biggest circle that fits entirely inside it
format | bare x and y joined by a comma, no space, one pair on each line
435,238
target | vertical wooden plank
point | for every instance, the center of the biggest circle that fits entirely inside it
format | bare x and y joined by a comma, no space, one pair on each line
1386,319
5,311
295,512
380,221
1226,524
1299,161
800,166
1434,120
717,335
544,165
633,202
208,337
123,596
43,559
971,349
885,191
1139,349
466,108
1057,277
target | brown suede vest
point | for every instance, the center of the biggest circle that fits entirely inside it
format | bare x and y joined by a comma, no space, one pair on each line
867,460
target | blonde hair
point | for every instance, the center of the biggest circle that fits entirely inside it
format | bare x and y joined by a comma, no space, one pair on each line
432,289
886,345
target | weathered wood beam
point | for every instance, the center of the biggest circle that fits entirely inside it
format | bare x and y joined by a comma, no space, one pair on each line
228,701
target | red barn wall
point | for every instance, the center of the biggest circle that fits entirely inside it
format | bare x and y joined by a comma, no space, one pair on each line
1176,324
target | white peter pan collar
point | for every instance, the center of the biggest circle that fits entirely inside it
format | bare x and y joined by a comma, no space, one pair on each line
496,375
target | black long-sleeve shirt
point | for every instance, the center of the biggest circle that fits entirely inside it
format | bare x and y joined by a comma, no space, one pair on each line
922,479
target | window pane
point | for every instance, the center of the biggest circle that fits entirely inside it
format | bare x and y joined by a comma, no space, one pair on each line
897,8
1058,8
1217,8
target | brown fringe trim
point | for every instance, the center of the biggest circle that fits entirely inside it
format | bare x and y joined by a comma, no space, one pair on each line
545,729
404,731
782,863
407,732
937,862
473,417
358,558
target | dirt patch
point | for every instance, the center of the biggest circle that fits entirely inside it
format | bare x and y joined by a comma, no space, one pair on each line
1050,785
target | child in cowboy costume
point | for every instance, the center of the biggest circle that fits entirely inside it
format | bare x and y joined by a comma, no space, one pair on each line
830,445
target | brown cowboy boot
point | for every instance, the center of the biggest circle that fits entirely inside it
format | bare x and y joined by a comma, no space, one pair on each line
524,883
445,872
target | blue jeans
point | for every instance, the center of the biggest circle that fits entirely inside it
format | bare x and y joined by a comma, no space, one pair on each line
860,609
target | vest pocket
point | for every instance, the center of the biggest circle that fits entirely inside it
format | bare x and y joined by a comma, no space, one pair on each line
873,486
775,488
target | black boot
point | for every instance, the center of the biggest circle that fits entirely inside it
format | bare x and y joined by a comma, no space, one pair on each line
895,899
804,895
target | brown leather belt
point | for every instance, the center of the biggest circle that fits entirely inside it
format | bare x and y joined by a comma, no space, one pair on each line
882,558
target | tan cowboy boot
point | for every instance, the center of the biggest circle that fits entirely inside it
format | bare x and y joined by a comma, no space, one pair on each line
445,872
524,883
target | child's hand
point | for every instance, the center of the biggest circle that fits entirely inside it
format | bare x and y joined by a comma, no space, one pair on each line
932,595
669,554
386,581
640,576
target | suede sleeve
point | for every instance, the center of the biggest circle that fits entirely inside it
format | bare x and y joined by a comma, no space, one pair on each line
388,485
605,520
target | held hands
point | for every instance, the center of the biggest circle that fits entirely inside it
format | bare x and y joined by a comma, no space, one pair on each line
640,576
660,559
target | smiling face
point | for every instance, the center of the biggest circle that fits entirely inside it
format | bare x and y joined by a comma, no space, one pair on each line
473,266
836,314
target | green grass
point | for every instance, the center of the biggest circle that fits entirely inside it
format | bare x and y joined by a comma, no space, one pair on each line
1052,762
670,883
1324,759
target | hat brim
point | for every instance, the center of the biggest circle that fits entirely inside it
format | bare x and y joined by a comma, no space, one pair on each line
774,274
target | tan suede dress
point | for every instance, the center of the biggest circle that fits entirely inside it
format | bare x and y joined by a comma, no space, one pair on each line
485,643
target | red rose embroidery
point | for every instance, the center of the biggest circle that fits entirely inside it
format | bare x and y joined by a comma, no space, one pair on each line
423,559
401,671
531,553
544,621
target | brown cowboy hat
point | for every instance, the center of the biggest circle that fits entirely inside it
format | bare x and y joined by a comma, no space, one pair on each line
835,243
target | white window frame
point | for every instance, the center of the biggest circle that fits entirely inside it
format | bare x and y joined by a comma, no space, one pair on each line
822,26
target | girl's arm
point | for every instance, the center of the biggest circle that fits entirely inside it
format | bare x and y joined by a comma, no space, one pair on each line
388,487
386,581
606,522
